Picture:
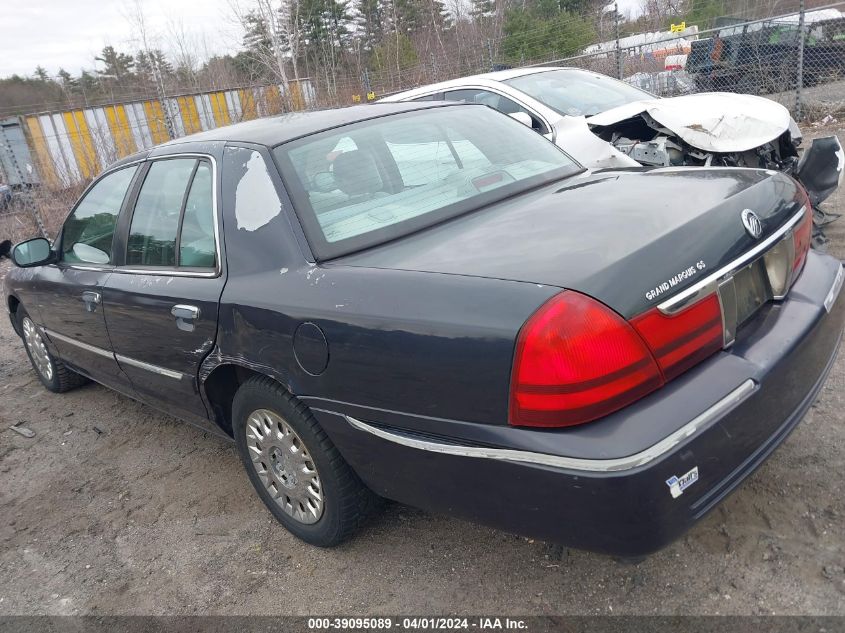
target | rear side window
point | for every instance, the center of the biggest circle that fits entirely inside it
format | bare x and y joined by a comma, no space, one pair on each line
88,232
173,220
196,243
155,222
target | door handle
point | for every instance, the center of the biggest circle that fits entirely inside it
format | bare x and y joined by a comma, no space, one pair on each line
185,316
92,300
185,312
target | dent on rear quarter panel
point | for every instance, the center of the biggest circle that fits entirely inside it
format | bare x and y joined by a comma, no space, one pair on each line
423,343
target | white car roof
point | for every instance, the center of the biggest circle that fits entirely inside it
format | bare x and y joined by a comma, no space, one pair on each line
504,75
484,79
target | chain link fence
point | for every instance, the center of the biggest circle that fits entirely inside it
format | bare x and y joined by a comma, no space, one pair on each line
796,58
792,54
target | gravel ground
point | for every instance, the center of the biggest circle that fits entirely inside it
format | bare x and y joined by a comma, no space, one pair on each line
114,508
817,101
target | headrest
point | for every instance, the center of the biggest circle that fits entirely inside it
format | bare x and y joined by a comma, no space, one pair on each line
356,173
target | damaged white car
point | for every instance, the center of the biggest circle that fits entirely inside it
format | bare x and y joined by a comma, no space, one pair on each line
605,123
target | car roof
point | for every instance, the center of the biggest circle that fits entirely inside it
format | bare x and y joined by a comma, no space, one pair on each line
274,130
511,73
482,79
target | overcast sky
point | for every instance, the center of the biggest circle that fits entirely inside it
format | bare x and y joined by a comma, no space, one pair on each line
70,33
631,8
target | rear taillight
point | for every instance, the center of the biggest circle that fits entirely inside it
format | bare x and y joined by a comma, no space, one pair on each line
802,234
679,341
577,360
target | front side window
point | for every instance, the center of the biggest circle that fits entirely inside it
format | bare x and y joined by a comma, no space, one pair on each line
155,220
496,101
408,171
88,232
577,92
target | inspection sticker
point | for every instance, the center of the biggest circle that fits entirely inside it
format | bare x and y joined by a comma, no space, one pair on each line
677,485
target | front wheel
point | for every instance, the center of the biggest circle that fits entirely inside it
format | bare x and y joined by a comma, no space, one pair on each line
294,467
51,371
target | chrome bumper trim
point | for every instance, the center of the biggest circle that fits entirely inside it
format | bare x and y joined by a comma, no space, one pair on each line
713,413
710,283
833,294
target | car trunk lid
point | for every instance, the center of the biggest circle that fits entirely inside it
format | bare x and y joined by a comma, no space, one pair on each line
631,239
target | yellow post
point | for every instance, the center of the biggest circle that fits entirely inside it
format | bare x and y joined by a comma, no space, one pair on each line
247,99
296,100
80,142
155,121
190,114
219,109
273,99
118,122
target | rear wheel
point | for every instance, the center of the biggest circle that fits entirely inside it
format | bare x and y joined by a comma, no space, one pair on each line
51,371
294,467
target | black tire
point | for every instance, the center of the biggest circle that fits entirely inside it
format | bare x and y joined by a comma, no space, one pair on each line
346,501
58,378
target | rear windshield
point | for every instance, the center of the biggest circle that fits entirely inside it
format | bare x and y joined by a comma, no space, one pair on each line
577,92
362,184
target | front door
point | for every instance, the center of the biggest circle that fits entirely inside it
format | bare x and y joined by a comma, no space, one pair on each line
71,291
161,301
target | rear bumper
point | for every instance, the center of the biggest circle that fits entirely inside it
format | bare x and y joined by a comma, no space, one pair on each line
617,502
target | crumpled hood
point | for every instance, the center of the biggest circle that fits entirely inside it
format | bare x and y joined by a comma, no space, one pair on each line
713,121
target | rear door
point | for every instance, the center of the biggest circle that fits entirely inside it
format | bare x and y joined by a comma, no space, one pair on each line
161,300
71,291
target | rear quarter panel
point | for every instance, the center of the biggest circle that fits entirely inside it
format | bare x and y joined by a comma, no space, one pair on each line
427,344
418,343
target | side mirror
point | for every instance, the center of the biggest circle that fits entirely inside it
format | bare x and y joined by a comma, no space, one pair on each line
821,168
34,252
523,118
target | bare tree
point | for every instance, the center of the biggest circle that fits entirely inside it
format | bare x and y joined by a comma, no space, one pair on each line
183,47
289,21
135,16
268,12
